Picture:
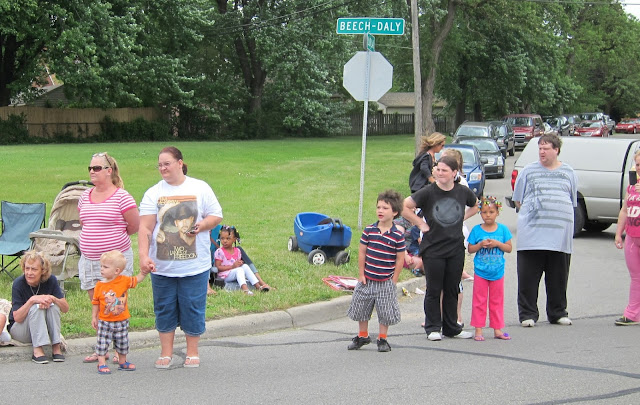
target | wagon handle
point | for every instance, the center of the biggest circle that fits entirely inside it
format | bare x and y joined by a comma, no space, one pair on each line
337,222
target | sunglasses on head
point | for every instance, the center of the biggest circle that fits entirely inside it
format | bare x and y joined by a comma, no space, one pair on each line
96,169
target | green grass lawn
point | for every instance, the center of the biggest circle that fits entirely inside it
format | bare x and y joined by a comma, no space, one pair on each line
261,186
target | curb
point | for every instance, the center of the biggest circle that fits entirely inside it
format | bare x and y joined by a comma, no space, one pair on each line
295,317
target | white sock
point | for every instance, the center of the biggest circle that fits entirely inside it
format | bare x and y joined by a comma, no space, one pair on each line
5,337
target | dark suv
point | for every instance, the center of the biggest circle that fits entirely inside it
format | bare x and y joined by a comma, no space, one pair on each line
476,129
506,139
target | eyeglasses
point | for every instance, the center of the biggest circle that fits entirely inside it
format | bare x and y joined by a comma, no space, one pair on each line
96,169
165,165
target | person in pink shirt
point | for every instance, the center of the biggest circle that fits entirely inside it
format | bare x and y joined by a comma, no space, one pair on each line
109,215
629,222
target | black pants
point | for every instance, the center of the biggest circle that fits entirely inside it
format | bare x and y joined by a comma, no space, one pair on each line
443,275
555,266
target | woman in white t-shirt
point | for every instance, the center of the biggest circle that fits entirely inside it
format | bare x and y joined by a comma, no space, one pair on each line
109,216
176,215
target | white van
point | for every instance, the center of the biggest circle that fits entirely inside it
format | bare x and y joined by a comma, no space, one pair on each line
603,167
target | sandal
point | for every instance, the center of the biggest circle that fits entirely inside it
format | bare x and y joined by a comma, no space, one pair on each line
116,359
478,338
126,366
264,288
159,363
194,362
103,369
504,336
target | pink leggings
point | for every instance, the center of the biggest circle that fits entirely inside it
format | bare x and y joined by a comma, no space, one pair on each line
494,291
632,257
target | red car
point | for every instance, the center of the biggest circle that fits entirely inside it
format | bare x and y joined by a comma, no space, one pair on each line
592,128
628,126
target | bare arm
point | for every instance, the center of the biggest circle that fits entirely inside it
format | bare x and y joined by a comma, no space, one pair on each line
409,213
471,211
132,218
147,224
43,301
399,265
622,220
206,224
362,254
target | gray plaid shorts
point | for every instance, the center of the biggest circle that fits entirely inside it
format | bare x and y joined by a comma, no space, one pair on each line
382,295
116,331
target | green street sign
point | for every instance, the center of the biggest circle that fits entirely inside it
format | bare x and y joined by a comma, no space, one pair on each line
370,43
374,26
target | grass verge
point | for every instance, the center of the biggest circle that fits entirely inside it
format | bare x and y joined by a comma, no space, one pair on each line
261,186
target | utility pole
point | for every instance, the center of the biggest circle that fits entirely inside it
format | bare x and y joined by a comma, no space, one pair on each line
417,78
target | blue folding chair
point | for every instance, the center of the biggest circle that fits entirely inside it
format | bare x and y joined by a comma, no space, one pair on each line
18,221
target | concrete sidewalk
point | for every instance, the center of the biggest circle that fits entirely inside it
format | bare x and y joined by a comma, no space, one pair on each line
295,317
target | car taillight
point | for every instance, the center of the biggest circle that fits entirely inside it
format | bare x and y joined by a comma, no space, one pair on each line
514,175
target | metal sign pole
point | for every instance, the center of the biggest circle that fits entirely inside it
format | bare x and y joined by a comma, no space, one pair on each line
364,134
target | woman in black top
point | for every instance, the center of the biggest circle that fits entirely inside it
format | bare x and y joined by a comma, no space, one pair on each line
443,204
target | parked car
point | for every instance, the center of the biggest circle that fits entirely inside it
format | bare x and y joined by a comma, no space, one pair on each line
547,129
592,128
593,116
472,168
506,139
482,129
610,123
560,124
489,149
628,126
604,167
525,127
574,121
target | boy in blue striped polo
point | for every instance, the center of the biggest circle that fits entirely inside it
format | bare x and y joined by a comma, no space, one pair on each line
380,260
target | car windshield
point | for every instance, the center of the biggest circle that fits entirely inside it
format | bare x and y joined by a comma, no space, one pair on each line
589,117
481,144
628,121
553,122
520,121
472,131
596,124
468,156
502,131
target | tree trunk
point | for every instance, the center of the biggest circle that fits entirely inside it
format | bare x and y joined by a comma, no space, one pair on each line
8,48
477,111
428,84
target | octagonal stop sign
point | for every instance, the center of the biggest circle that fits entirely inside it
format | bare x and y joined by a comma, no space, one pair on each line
380,76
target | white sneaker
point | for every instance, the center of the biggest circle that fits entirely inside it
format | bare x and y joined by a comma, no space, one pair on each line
463,335
434,336
564,321
528,323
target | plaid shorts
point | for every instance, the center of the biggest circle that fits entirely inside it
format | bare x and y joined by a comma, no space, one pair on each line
116,331
383,295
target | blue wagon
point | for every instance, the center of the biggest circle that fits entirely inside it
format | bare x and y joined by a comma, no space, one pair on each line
321,237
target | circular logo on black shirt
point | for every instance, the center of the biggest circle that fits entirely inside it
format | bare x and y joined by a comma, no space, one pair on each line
447,211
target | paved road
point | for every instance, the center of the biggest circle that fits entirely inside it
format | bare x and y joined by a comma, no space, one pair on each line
592,361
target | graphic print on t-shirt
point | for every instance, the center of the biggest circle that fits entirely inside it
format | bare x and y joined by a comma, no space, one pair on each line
176,215
447,211
113,304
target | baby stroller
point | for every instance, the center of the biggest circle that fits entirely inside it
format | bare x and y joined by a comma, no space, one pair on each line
321,237
59,242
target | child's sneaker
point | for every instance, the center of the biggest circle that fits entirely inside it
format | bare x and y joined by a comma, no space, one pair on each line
383,345
357,342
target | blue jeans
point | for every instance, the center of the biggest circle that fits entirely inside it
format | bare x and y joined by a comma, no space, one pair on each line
180,301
